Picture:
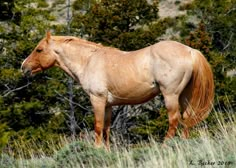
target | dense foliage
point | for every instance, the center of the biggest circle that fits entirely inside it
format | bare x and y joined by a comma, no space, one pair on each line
31,109
215,37
115,23
42,108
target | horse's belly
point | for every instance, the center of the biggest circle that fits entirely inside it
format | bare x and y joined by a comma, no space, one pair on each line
137,96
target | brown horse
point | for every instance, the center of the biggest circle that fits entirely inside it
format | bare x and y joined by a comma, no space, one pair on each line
113,77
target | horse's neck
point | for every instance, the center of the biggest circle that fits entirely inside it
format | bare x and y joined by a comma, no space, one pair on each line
74,58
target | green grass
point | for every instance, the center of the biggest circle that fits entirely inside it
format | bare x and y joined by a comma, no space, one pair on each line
210,148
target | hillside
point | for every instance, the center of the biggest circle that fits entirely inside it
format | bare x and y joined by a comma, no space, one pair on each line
170,8
167,8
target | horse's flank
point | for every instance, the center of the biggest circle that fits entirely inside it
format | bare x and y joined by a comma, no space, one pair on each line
113,77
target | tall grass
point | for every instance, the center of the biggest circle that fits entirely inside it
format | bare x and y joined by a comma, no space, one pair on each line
210,147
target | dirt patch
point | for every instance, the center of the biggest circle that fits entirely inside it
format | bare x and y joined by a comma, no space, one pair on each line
170,8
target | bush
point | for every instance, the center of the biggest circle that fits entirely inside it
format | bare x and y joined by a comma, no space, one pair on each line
81,154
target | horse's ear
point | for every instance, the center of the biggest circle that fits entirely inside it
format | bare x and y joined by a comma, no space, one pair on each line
48,36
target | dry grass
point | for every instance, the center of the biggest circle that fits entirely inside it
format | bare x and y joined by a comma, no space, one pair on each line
205,150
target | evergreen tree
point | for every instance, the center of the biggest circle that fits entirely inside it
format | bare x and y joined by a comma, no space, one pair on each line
215,37
27,105
115,22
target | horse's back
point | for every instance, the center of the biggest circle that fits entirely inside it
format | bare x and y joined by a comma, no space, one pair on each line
171,50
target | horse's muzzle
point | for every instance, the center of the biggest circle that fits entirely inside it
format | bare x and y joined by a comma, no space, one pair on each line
26,71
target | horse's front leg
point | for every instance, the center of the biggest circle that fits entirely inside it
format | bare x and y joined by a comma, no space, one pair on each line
98,104
107,124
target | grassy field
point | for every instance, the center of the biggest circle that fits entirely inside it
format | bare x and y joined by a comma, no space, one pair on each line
208,147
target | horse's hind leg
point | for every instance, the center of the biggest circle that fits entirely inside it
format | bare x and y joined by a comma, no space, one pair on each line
185,133
172,106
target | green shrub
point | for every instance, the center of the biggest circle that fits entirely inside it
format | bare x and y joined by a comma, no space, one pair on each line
81,154
42,4
4,135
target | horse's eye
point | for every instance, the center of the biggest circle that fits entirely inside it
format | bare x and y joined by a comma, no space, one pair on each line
39,50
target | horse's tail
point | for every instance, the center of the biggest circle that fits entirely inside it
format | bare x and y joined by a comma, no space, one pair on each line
197,98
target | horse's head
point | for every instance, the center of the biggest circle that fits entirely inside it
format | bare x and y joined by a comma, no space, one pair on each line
42,57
